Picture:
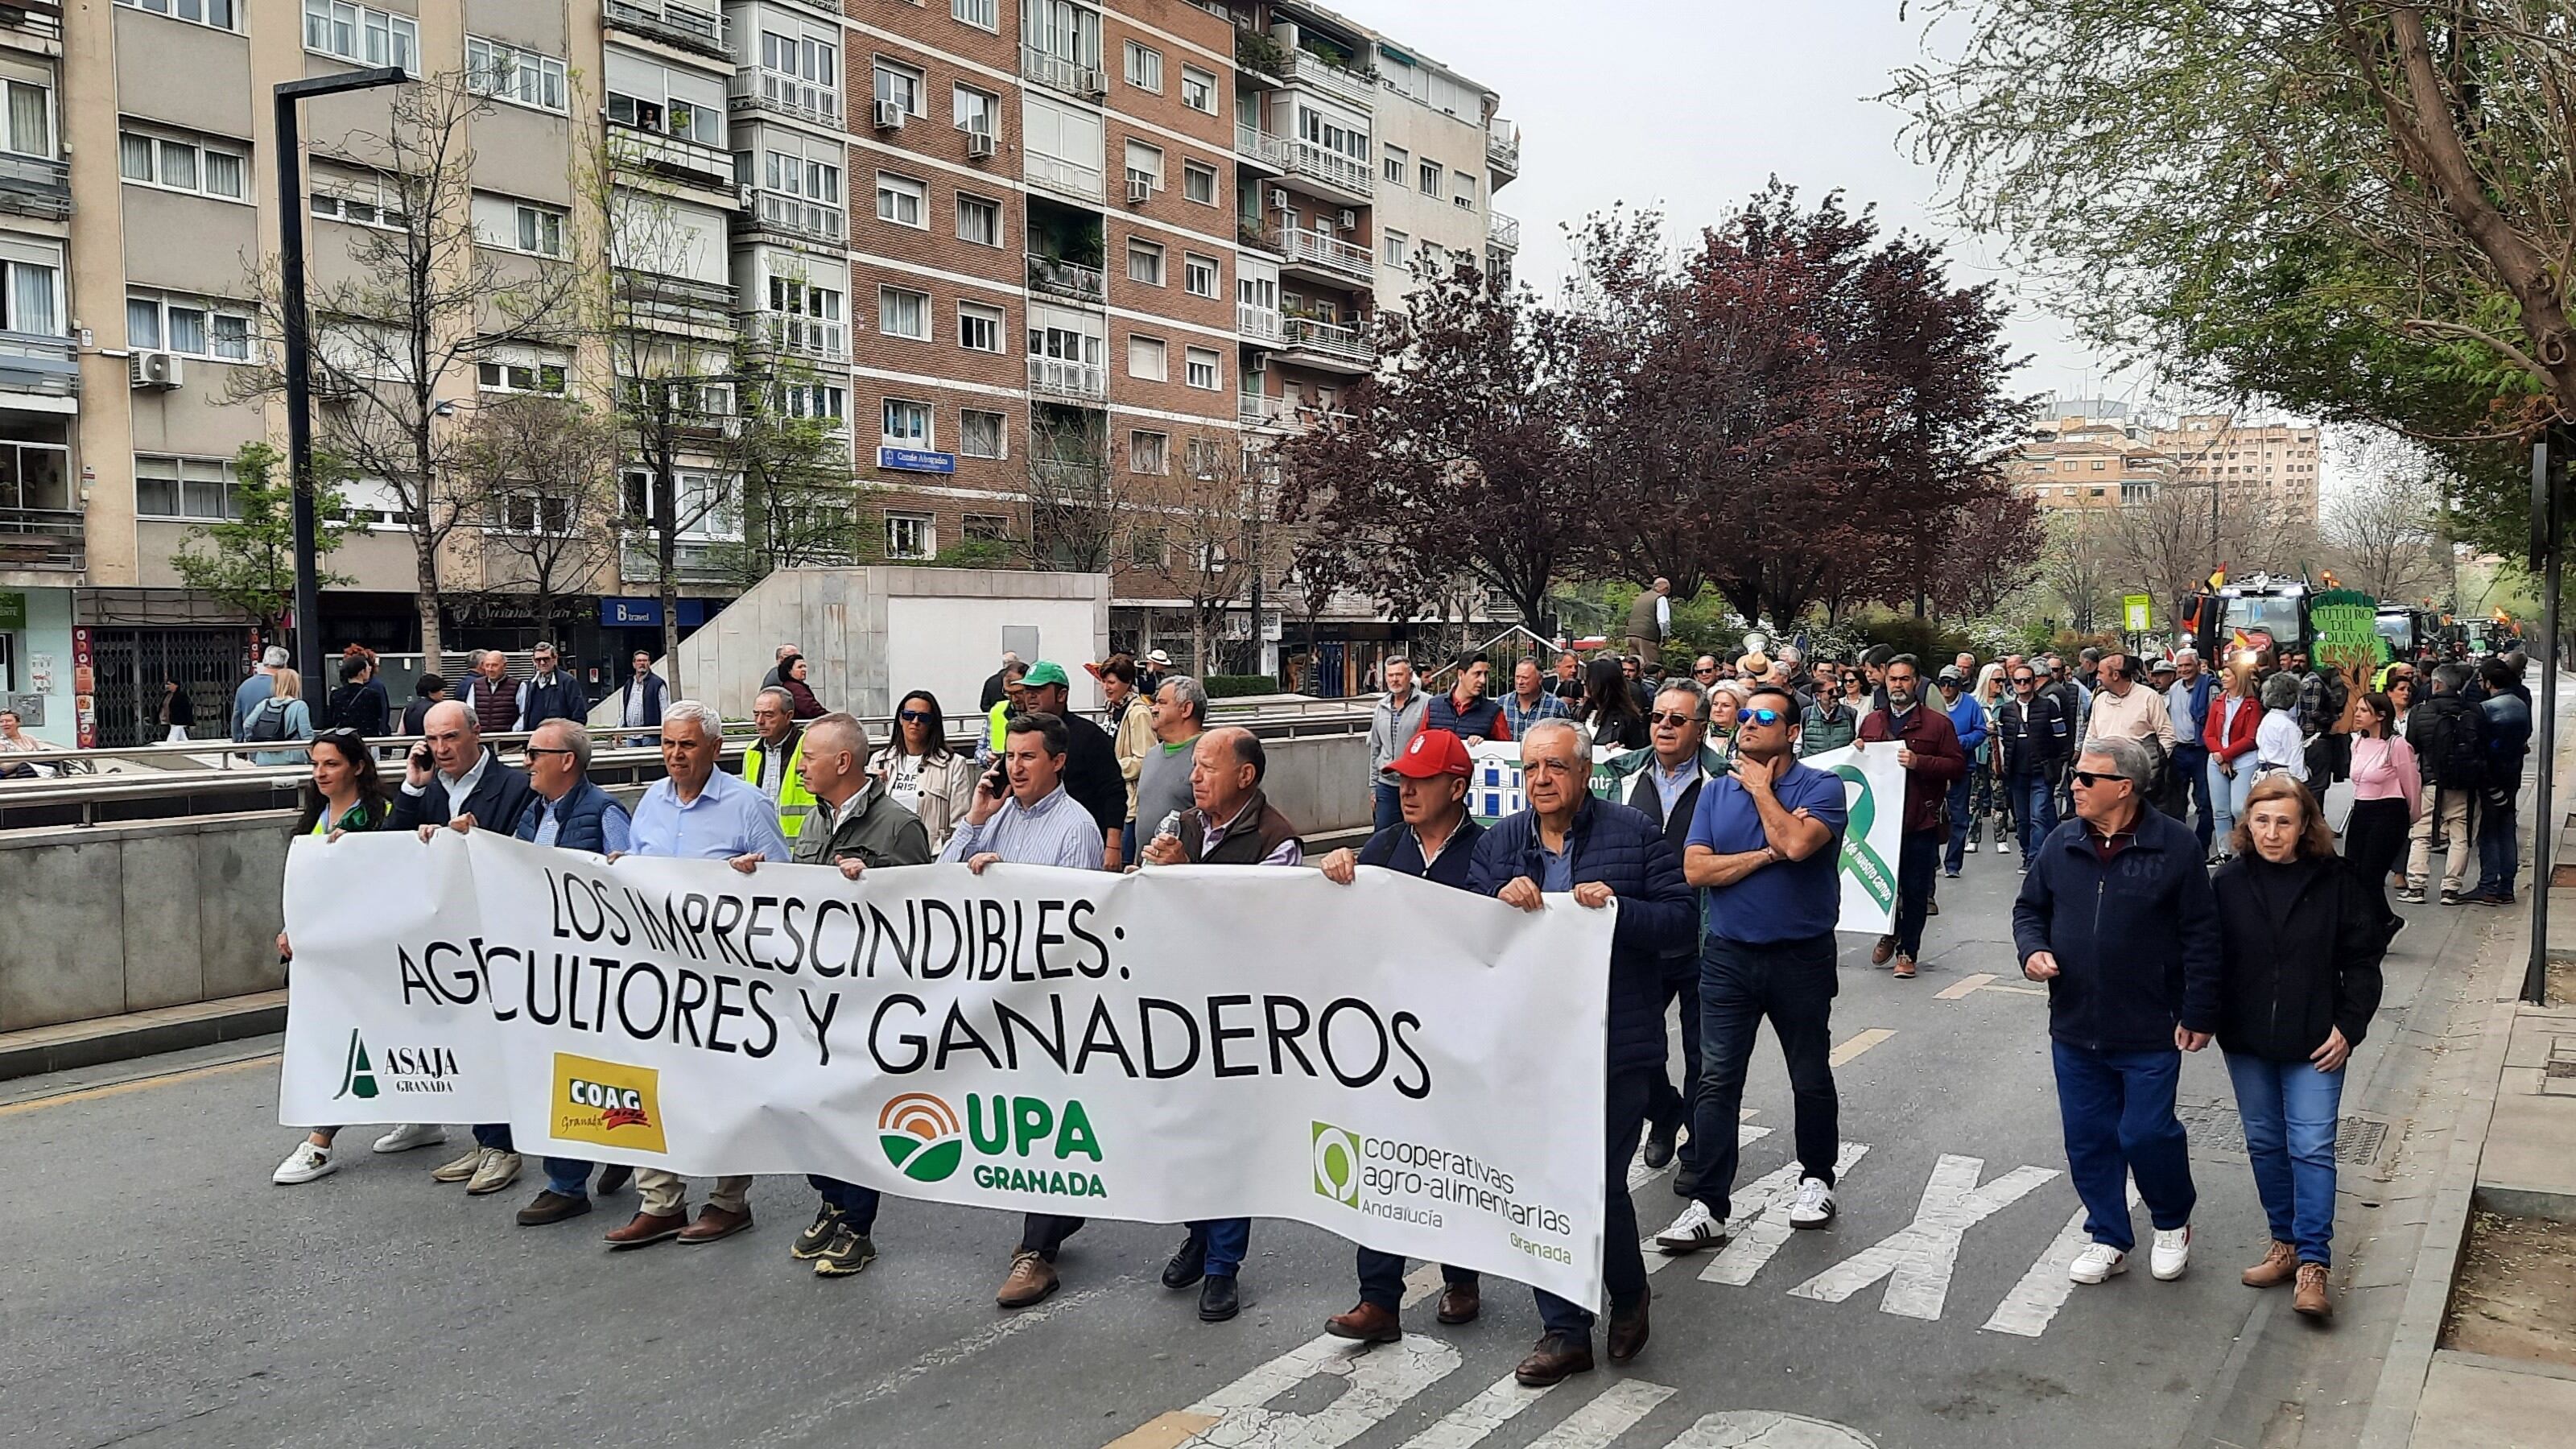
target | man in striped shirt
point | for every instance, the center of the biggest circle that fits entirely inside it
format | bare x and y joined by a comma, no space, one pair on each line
1530,700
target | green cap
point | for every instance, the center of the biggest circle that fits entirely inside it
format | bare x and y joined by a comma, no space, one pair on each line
1042,674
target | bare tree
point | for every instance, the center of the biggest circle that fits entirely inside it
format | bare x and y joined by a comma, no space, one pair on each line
1200,534
401,319
540,474
2384,535
2080,565
793,455
1075,492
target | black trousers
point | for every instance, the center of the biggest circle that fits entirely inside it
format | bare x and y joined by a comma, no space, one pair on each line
1667,1107
1043,1233
1382,1278
1791,984
1623,1267
2374,844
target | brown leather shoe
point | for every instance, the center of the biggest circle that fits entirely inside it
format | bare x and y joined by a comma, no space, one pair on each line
552,1207
1628,1333
1932,907
1461,1302
715,1222
1553,1359
1030,1280
2311,1300
1904,967
646,1228
1368,1323
1885,948
2280,1264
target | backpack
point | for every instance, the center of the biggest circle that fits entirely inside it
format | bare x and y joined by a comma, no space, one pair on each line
268,722
2458,751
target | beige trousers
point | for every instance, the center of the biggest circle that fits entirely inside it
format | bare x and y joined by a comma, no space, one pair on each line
668,1192
2448,816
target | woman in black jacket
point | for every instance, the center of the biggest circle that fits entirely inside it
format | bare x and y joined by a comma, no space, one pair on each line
360,702
1610,708
2300,941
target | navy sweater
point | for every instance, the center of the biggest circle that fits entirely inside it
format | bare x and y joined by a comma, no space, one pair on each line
2136,936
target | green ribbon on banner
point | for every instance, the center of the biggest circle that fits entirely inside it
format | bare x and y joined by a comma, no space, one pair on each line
1860,860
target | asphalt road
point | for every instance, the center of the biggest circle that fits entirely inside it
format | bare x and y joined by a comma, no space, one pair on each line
160,1291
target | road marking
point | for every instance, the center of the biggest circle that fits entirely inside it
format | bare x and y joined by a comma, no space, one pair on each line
1169,1431
1470,1423
119,1089
945,1356
1613,1413
1917,1260
1762,1429
2020,990
1767,1204
1843,1054
2028,1309
1964,985
1377,1379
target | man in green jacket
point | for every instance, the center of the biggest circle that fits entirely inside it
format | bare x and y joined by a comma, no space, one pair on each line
774,765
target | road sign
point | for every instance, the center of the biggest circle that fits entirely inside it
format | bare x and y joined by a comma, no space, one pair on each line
2140,612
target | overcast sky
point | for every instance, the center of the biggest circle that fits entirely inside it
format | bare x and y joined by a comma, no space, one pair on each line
1691,105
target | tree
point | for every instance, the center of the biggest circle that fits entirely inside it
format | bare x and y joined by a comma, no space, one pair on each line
2163,547
540,475
401,321
2383,534
1074,496
798,505
247,562
2079,566
1990,551
1198,534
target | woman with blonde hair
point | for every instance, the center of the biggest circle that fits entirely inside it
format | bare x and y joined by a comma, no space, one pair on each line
282,716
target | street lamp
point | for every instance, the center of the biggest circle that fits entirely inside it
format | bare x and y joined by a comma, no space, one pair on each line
299,344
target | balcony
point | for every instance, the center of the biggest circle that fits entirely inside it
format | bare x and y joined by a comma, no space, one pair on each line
1306,68
1065,178
1334,258
671,22
1503,232
1502,151
35,185
1255,145
41,538
676,157
39,373
1072,281
1071,480
798,217
799,334
1062,73
1254,410
1062,377
693,561
1336,174
1260,235
755,89
653,301
1327,345
1257,324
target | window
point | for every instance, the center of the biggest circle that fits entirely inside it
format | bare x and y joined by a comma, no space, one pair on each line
1145,262
981,434
516,369
1149,358
1396,243
1198,274
902,200
531,510
1434,260
900,84
184,488
979,219
28,119
1198,89
177,165
1202,456
32,299
649,99
978,13
359,211
217,13
1144,68
522,226
1431,173
909,535
1204,371
1397,161
353,32
507,73
816,181
975,110
979,328
1462,189
903,313
1198,183
188,325
1148,453
1146,547
819,400
988,528
907,424
803,74
1145,161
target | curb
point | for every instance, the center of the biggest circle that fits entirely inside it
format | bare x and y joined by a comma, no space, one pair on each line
140,1034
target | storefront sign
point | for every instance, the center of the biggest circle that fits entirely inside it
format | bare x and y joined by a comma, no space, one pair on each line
13,610
647,613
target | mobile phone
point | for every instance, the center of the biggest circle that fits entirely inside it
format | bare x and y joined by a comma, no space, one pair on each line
998,779
420,756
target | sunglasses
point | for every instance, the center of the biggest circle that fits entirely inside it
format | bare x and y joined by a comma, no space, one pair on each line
1705,669
1764,716
546,750
2024,679
914,716
1675,719
2088,777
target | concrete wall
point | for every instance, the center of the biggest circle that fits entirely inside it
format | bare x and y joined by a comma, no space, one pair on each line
99,921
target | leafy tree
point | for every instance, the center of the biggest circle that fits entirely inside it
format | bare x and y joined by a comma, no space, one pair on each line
1990,552
247,562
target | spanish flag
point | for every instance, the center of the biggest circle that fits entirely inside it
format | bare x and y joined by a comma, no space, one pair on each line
2218,577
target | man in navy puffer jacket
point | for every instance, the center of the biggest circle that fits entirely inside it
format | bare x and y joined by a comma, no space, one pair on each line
1569,841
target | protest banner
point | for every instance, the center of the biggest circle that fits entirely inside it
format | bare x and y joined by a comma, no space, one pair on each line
1873,791
1416,1068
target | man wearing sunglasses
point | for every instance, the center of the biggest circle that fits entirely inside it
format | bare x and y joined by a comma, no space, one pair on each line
2035,735
1928,748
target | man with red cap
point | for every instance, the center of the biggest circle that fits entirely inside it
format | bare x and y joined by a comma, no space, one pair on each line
1435,842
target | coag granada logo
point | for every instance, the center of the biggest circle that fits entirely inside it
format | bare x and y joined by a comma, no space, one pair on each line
920,1135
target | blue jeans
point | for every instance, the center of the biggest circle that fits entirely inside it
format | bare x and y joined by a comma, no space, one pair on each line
568,1176
1388,807
858,1204
493,1134
1382,1278
2498,858
1962,790
1918,854
1623,1267
1222,1242
1791,984
2035,809
2227,795
2289,1110
2118,1112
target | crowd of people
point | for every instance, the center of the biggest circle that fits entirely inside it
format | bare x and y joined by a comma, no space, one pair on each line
2180,884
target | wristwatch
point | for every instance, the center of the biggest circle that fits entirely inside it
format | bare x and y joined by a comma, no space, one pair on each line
1771,854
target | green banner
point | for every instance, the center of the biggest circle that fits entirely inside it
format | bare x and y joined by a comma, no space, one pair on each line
13,610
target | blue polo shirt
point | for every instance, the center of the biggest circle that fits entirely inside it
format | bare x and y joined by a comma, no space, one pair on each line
1791,900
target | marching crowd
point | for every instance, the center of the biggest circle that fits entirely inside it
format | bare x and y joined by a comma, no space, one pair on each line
1689,801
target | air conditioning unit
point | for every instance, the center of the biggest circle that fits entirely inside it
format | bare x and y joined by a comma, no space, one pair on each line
890,115
156,369
1278,198
1139,187
1350,219
979,143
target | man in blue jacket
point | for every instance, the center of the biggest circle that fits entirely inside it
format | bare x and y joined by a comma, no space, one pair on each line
1569,841
2117,915
1968,721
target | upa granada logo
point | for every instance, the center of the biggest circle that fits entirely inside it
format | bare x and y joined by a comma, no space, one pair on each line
609,1103
921,1138
1337,1164
409,1069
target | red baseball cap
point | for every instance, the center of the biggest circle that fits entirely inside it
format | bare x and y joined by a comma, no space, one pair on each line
1433,753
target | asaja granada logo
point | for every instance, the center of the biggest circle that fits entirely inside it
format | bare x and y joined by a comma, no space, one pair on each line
921,1138
411,1069
1337,1164
609,1103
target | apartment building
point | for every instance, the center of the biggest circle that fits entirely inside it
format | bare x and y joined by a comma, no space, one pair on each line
2078,461
2276,463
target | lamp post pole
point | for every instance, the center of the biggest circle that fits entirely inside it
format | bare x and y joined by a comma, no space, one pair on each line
299,343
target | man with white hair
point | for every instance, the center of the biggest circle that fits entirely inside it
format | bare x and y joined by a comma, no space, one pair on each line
259,687
2187,705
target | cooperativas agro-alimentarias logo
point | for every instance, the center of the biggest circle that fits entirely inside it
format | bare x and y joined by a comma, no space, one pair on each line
1337,1164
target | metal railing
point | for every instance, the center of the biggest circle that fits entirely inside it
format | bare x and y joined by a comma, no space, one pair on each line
1321,163
800,216
805,336
1057,174
1502,151
667,20
1257,324
676,155
35,185
1061,72
1331,253
1305,334
1306,68
1063,377
1058,277
42,538
53,364
1503,231
1254,144
1252,231
758,88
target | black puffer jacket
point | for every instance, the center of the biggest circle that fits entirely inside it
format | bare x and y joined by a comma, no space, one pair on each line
2287,977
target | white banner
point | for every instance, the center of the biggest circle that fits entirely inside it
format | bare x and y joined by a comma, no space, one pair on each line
1410,1066
1873,794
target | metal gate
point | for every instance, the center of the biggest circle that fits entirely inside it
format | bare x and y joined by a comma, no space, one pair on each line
1330,670
133,663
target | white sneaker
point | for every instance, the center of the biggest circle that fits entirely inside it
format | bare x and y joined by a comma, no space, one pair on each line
1972,847
1815,1205
1696,1230
2002,846
411,1135
304,1164
2097,1262
497,1170
2172,1253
